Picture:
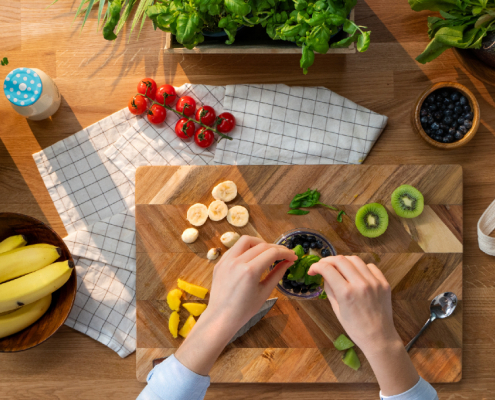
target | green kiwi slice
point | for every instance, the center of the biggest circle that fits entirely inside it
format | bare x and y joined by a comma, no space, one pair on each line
372,220
407,201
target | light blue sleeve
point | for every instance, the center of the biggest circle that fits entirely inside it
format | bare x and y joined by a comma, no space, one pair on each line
171,380
421,391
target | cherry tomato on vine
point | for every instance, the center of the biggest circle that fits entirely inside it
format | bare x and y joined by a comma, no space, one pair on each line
138,105
184,128
147,86
157,114
226,122
187,105
166,89
206,115
204,137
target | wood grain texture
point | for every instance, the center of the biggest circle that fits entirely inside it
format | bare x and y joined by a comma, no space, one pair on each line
97,78
293,342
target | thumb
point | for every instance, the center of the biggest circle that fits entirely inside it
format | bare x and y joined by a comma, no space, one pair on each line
275,275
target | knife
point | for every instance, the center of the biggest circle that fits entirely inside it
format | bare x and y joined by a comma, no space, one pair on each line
265,308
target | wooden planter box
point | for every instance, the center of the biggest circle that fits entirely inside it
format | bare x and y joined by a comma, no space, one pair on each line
250,40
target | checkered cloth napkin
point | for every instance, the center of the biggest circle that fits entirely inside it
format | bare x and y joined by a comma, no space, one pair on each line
90,177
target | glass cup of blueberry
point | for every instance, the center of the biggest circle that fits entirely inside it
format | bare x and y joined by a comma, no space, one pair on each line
446,115
313,243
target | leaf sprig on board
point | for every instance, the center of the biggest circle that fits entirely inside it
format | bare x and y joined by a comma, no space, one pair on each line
308,199
463,24
4,61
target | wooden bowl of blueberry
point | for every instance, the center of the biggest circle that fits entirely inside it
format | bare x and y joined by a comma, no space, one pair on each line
446,115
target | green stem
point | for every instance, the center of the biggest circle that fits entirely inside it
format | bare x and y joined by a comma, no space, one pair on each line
325,205
184,116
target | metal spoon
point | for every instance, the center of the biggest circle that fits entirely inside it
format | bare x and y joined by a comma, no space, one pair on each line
441,306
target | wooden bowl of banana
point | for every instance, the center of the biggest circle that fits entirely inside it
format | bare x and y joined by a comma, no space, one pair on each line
37,282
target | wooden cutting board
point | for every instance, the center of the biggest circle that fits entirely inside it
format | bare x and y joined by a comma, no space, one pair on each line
420,257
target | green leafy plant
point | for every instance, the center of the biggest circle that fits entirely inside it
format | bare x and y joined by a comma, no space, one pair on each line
299,270
310,198
462,24
4,61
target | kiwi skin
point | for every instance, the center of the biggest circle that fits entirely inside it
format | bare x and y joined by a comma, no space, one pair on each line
414,205
373,212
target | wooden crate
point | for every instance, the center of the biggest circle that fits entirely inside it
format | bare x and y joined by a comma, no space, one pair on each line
246,42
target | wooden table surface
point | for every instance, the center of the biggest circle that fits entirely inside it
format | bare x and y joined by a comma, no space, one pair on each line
97,78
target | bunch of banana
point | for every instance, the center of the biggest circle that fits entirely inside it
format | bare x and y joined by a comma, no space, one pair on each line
28,277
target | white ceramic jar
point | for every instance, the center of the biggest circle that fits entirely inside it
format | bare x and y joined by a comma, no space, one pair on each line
32,93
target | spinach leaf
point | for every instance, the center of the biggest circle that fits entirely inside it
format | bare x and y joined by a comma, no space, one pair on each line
298,212
299,250
432,51
5,61
237,7
323,295
341,214
434,5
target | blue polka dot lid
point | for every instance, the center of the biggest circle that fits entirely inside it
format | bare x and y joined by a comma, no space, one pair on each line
23,87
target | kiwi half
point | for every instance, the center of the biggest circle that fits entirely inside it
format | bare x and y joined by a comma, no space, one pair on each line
407,201
372,220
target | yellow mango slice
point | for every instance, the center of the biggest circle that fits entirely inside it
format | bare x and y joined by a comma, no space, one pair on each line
188,325
195,309
195,290
173,299
173,324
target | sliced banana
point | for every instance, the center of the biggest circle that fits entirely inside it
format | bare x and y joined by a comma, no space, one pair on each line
213,253
238,216
190,235
197,214
225,191
229,238
217,210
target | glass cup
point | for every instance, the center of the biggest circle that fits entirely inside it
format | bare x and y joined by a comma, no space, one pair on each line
283,239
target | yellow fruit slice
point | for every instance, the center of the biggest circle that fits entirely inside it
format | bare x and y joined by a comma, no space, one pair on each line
16,321
173,299
173,323
188,325
195,290
12,243
195,309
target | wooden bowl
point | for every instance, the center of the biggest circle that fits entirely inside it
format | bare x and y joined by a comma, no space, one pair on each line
475,66
475,109
62,300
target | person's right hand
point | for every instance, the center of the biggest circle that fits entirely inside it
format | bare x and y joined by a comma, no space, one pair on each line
361,299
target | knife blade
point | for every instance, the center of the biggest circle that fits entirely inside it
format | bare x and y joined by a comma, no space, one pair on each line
265,308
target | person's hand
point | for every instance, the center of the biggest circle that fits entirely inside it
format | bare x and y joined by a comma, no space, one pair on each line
237,293
361,299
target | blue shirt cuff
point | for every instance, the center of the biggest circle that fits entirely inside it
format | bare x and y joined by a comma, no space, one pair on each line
421,391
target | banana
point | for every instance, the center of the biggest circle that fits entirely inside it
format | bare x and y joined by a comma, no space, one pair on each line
31,287
217,210
229,238
22,261
238,216
213,253
12,243
225,191
16,321
190,235
197,214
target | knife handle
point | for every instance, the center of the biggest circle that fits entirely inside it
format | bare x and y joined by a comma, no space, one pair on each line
157,361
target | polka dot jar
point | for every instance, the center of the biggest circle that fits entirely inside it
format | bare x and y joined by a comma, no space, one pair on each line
32,93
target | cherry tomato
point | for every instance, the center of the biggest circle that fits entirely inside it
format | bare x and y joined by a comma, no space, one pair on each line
204,137
206,115
187,105
138,105
184,128
226,122
147,86
166,89
157,114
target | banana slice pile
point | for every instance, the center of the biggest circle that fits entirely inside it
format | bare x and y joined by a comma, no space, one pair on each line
28,277
198,213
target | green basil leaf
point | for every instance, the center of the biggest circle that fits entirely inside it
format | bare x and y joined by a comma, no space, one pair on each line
350,27
434,5
346,42
290,30
432,51
299,250
341,214
298,212
187,25
237,7
363,41
334,19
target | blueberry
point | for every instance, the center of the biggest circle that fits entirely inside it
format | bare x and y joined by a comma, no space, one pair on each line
431,99
424,112
432,107
455,124
460,121
457,103
448,120
467,108
319,244
448,139
458,135
451,130
293,283
468,124
311,239
447,101
454,97
289,244
458,109
296,289
448,113
451,106
440,132
468,115
430,119
311,290
313,245
435,126
305,245
325,252
437,138
303,237
304,290
463,100
286,285
463,129
445,94
438,115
